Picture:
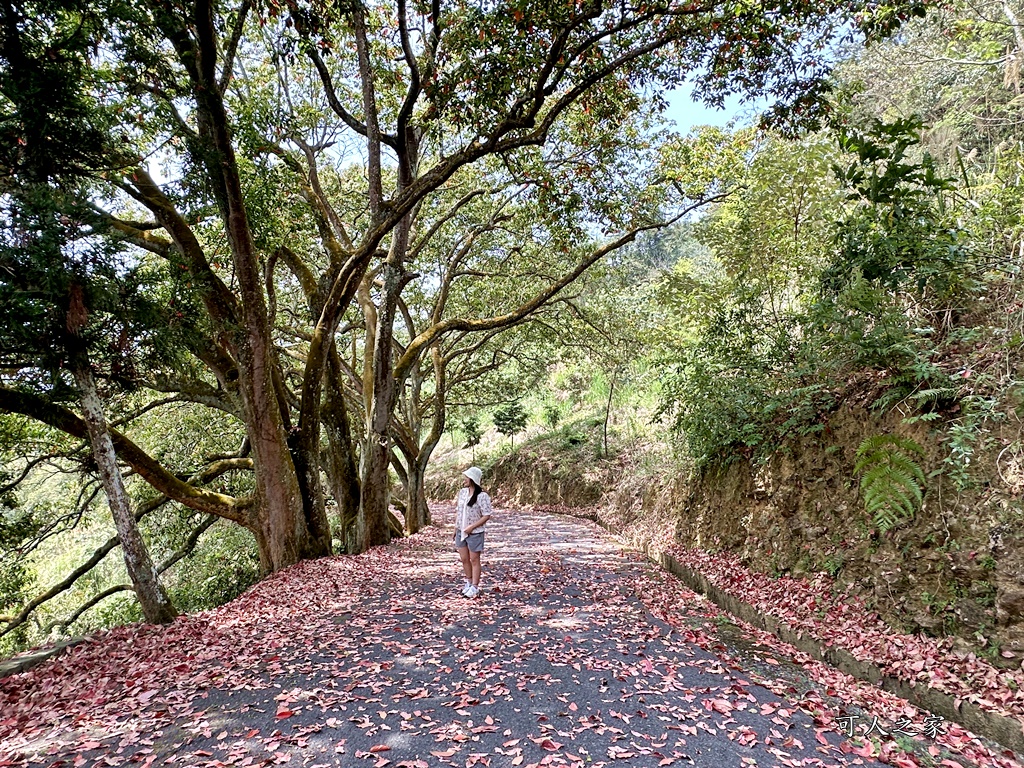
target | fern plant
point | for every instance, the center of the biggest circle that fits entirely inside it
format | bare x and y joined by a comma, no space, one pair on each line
891,480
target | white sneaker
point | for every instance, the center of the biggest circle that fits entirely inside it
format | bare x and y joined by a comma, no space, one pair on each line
471,591
467,587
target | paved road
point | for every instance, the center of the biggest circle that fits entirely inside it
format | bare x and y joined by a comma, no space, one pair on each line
575,654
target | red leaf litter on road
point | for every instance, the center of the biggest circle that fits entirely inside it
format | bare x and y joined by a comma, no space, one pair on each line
299,640
812,606
117,676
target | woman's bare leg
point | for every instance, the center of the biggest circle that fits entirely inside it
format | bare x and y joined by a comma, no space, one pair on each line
467,567
474,559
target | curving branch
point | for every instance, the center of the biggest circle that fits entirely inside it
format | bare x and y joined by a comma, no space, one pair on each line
405,113
302,273
30,464
186,550
29,608
374,136
67,521
220,301
154,473
328,223
183,397
452,268
193,391
137,234
96,599
320,197
332,95
441,221
243,452
520,313
205,475
232,45
529,121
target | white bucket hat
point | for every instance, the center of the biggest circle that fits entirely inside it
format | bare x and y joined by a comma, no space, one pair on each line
474,474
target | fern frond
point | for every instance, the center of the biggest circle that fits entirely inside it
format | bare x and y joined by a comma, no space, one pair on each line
907,466
933,395
891,480
885,521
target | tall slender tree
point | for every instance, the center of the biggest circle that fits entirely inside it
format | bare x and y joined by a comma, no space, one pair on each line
71,307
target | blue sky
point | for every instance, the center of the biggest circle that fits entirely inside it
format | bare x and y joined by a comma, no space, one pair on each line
686,113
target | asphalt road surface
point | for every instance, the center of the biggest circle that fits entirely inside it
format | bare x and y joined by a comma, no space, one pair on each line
575,653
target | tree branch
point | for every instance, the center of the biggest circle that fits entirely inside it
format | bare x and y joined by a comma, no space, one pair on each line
185,551
205,475
373,134
145,466
142,237
232,47
438,329
405,113
220,301
332,97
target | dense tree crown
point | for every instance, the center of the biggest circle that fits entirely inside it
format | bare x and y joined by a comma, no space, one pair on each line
345,214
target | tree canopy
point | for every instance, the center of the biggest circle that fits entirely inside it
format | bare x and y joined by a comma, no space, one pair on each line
345,210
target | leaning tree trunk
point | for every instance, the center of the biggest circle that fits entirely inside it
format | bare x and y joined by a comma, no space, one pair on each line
342,472
375,492
418,513
156,605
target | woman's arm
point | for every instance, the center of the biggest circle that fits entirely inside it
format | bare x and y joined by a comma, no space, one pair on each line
470,528
484,502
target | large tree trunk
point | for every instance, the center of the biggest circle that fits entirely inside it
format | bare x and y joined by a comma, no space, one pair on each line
375,492
418,513
156,605
284,532
342,471
290,529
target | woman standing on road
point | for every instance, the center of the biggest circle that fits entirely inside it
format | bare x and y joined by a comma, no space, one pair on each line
472,511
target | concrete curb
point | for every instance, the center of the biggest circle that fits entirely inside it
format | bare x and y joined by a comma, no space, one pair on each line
1006,731
27,661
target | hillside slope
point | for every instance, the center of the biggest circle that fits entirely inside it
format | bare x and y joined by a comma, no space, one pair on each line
955,569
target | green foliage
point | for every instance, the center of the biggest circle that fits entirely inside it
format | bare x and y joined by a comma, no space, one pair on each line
741,372
470,427
510,419
552,415
897,232
968,434
48,255
52,123
829,262
834,564
891,480
224,565
17,525
120,608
